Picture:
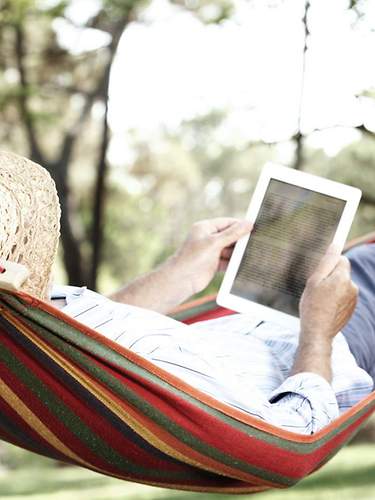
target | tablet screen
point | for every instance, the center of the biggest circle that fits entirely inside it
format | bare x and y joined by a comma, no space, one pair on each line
293,230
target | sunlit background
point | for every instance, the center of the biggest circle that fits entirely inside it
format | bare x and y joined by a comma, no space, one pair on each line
200,95
153,114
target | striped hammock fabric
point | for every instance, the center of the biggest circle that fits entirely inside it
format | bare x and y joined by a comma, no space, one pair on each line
68,393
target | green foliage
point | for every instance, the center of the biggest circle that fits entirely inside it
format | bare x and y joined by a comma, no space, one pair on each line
116,8
56,10
15,12
209,11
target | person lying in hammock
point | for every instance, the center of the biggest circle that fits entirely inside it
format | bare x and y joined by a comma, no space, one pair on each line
299,381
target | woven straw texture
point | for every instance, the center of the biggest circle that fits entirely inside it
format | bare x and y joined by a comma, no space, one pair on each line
29,220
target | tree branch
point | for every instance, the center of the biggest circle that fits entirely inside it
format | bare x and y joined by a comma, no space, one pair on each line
365,131
97,230
35,151
298,157
366,198
298,161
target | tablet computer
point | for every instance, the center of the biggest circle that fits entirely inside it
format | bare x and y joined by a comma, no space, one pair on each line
296,217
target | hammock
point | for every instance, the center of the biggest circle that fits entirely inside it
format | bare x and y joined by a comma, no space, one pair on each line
71,394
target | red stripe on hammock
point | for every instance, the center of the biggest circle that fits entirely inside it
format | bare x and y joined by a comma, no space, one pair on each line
224,437
218,312
33,436
94,421
40,410
211,430
144,389
254,451
54,425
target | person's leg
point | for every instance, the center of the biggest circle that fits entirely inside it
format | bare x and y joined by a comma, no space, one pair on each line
360,330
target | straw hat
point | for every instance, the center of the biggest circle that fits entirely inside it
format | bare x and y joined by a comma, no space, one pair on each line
29,220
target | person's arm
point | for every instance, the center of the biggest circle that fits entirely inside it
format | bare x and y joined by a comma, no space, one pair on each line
206,250
306,397
327,304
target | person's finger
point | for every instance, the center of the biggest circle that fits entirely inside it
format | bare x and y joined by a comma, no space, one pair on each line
219,224
234,232
342,270
213,226
343,264
326,265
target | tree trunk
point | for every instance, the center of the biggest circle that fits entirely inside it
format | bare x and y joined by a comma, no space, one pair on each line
97,229
73,259
97,232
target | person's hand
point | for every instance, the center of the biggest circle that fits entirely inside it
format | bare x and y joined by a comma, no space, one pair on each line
329,298
208,249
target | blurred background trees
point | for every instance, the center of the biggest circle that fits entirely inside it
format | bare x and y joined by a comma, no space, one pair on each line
54,107
129,194
49,102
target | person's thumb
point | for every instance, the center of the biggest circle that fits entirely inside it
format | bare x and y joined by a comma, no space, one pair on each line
326,265
234,232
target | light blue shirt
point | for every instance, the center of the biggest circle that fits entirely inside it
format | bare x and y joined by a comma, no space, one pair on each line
241,360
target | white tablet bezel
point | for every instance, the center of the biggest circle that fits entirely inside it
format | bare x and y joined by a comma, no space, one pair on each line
270,171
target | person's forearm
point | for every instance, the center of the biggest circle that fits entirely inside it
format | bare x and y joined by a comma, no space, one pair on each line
314,355
161,290
205,251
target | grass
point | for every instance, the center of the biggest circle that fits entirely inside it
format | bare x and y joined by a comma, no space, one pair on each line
348,476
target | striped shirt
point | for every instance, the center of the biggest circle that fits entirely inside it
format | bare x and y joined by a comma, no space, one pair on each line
241,360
